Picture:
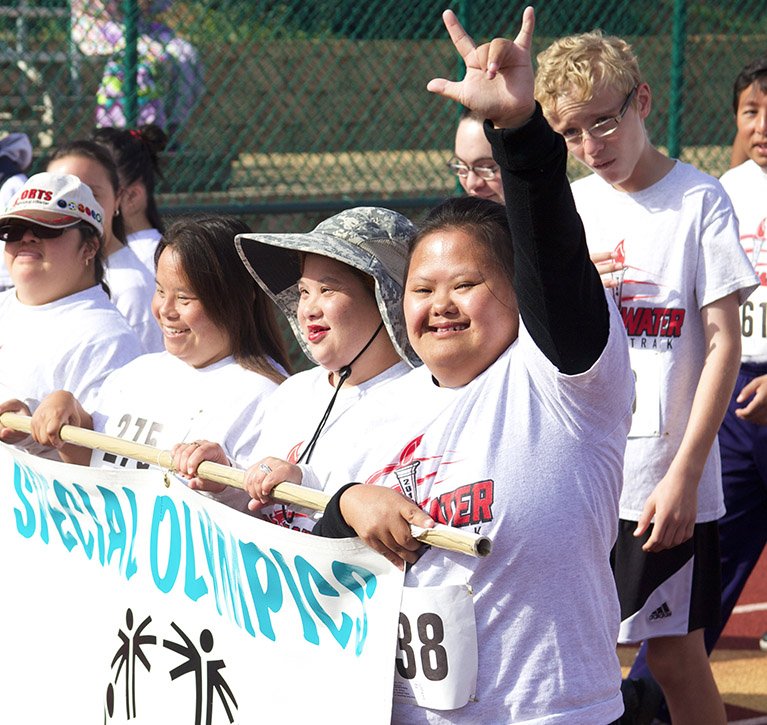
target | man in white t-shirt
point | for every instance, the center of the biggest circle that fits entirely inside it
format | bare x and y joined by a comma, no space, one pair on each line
668,241
743,435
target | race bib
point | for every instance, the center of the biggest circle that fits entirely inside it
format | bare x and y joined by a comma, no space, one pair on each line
753,326
130,428
646,367
437,656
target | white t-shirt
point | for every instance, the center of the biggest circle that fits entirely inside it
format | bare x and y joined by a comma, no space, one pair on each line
747,187
132,288
72,344
291,416
533,459
159,400
678,240
143,244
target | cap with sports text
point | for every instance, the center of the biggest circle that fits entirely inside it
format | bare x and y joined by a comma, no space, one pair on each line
55,200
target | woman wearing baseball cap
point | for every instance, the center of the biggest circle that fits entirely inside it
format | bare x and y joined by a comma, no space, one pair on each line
340,287
58,328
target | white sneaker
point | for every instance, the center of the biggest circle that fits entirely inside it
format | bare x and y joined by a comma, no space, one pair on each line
763,643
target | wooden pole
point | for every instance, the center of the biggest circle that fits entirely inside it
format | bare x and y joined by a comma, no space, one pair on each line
443,537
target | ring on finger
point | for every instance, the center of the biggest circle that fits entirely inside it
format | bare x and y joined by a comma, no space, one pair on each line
263,467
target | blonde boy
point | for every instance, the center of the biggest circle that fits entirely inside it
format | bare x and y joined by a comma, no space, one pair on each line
666,240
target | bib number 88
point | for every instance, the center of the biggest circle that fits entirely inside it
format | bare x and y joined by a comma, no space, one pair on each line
432,655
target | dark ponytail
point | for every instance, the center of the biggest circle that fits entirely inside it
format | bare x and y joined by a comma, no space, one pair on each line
136,153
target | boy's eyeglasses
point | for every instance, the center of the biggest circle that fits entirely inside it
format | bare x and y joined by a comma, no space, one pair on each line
575,137
16,232
485,170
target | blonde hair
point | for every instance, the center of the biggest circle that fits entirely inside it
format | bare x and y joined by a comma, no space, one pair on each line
577,64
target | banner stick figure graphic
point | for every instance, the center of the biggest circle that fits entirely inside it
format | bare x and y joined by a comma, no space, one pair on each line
212,678
132,649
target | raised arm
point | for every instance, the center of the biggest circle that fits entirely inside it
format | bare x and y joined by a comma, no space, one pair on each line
560,295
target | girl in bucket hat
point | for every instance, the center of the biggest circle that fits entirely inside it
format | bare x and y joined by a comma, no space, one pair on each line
58,328
340,287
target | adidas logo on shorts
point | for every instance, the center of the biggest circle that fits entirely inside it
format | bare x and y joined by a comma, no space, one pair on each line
661,612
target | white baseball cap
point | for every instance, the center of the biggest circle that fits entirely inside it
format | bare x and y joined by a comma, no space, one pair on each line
55,200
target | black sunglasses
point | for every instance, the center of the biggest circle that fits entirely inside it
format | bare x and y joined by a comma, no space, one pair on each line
15,232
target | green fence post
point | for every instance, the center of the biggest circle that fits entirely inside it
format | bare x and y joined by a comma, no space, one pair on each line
130,86
464,17
679,38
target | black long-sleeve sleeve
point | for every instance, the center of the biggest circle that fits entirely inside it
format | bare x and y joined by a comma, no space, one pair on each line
332,524
560,295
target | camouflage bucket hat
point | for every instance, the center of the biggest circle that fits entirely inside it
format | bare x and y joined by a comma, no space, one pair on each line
369,238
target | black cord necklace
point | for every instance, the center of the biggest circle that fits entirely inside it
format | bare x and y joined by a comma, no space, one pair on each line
343,375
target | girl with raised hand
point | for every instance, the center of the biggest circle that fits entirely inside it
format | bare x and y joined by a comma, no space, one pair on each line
529,452
130,283
136,154
223,357
340,287
58,328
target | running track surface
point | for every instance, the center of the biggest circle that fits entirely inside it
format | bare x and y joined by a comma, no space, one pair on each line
740,667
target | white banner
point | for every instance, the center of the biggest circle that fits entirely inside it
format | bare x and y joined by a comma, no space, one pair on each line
129,601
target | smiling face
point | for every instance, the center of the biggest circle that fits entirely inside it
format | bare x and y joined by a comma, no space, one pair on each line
624,158
460,308
473,148
338,315
188,332
44,270
751,119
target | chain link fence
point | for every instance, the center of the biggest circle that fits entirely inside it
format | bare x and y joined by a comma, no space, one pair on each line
304,107
286,112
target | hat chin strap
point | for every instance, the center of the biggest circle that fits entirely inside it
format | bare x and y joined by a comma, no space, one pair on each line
346,370
343,375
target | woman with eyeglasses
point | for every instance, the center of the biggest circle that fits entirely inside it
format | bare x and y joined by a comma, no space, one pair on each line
473,162
131,284
58,328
